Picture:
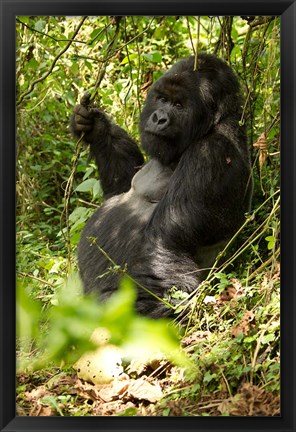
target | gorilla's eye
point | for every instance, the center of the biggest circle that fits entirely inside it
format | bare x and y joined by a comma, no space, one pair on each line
162,99
178,105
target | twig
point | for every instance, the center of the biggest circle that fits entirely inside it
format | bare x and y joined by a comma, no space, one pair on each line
265,264
67,195
44,76
88,203
123,271
26,275
79,144
262,333
190,35
197,44
197,294
47,35
237,233
226,382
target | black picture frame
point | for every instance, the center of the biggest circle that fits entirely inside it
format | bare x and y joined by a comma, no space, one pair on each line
9,9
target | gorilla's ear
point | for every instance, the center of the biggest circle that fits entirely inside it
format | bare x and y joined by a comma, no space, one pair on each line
218,116
208,90
226,105
218,102
221,110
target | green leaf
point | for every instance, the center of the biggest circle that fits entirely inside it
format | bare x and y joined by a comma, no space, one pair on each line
40,25
271,242
51,401
88,172
36,167
97,189
94,34
33,64
208,377
77,214
28,314
86,186
78,218
75,68
25,19
129,58
128,412
268,338
249,339
46,116
119,311
70,97
89,65
155,57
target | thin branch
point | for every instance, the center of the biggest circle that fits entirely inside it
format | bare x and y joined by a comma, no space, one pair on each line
47,35
265,264
198,292
117,267
44,76
258,345
131,40
190,35
67,195
79,145
197,43
26,275
90,204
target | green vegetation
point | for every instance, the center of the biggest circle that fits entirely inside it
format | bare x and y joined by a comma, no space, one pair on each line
230,333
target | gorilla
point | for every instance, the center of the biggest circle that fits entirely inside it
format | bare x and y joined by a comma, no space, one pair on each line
165,221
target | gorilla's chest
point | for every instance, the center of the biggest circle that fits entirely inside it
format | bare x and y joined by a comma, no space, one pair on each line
151,182
148,187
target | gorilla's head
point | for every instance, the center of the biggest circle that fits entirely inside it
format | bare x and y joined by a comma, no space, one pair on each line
184,104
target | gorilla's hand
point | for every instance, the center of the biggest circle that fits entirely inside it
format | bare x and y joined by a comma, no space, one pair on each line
89,119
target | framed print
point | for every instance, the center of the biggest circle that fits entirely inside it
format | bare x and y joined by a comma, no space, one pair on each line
147,215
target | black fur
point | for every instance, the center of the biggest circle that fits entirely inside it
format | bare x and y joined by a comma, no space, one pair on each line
168,222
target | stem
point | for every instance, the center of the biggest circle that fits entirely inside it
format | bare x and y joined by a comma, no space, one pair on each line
198,292
44,76
197,43
67,195
116,266
238,232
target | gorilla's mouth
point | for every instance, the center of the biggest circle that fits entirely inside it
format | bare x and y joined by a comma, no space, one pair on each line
153,133
164,135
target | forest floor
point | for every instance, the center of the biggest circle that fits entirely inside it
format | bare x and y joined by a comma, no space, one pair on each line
64,394
159,388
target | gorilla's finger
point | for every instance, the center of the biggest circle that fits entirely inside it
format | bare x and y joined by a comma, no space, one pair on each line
97,112
85,99
83,127
79,120
81,111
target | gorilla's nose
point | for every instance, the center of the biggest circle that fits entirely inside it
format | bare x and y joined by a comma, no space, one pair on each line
159,120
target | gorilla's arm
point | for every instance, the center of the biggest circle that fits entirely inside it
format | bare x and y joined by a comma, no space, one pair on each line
207,198
117,156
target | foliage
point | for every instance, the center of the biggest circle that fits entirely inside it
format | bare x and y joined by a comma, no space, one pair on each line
70,323
58,188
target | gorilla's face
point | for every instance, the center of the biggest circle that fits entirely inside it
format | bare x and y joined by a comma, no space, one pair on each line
175,113
167,119
184,105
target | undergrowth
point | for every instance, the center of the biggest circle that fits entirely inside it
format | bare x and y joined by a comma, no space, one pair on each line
228,330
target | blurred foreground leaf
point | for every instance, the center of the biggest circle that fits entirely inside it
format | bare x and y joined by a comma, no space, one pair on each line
74,317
